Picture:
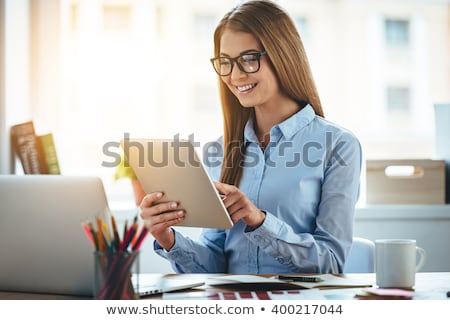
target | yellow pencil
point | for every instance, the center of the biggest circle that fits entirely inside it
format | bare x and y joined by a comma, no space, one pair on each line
106,233
101,243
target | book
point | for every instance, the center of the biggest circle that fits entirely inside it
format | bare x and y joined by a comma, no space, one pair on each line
385,294
28,148
50,155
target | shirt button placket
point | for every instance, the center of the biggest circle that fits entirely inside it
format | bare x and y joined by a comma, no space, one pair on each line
258,174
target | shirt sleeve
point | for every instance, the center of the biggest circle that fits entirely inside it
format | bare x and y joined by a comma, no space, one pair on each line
325,249
204,256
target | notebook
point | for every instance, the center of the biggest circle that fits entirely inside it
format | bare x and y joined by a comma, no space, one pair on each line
286,282
42,245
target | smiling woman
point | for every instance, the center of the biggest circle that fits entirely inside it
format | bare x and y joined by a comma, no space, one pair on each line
271,110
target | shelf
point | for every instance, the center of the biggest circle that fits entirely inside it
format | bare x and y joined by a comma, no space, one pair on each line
401,211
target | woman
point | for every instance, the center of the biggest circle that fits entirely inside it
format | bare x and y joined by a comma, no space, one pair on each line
289,178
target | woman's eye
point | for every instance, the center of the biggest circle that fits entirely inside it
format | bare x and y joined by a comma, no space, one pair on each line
224,62
249,58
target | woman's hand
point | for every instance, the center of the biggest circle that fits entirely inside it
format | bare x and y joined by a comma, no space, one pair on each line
159,217
239,206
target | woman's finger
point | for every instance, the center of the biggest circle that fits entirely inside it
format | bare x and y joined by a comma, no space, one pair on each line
164,221
224,188
150,198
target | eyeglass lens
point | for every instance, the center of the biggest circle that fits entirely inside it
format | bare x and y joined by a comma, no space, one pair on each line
248,63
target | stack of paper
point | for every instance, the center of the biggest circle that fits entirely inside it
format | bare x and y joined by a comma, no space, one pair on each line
314,294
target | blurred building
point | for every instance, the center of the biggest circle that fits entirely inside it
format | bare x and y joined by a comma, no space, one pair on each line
92,70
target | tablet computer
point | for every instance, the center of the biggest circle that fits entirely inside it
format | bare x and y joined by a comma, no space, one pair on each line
173,167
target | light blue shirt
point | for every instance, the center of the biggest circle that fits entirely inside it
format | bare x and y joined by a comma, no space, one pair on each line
307,183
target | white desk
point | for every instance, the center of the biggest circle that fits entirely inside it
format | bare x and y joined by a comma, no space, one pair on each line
429,286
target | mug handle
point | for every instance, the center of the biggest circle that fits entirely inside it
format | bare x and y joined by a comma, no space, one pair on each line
423,257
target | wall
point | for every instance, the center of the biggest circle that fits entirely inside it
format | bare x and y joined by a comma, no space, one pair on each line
428,224
14,74
4,145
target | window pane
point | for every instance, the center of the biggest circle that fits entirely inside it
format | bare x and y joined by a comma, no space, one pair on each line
398,99
203,27
116,18
302,27
397,32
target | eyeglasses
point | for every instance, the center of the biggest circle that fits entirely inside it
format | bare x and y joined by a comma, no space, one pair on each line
247,62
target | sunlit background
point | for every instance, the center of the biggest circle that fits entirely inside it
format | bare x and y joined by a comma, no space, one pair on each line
90,71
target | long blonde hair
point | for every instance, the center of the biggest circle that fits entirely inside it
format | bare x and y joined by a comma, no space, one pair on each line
277,34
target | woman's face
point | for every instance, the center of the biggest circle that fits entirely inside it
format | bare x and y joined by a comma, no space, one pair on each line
252,89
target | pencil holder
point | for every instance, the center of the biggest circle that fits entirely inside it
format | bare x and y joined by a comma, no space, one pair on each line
116,275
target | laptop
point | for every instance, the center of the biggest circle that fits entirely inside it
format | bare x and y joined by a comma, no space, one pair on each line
151,284
43,247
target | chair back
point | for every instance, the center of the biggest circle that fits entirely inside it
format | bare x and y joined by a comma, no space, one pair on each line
361,257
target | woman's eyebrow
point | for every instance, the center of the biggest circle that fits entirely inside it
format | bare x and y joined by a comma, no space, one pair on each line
250,51
222,54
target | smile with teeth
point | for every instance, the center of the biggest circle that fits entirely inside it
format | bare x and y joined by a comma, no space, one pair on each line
246,87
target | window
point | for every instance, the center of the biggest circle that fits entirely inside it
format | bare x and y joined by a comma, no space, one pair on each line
73,16
302,27
203,27
116,18
397,32
398,100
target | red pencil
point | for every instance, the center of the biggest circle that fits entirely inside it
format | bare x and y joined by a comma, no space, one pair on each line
140,239
129,235
89,234
117,242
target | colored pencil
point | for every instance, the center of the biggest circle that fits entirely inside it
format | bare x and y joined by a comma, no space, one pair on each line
140,239
117,242
89,234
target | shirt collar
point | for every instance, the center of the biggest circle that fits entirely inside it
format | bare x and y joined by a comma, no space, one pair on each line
288,127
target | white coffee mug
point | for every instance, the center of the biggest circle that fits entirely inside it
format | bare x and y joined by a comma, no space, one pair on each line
395,262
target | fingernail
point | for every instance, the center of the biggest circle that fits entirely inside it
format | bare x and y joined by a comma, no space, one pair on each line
173,205
159,195
180,213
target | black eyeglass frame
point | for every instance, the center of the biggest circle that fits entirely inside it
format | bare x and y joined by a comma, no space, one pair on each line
235,61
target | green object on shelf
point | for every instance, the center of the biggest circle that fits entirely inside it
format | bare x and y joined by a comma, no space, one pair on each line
124,170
